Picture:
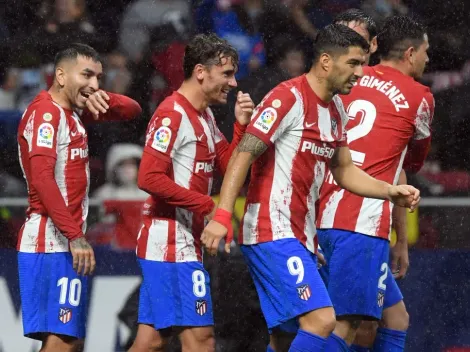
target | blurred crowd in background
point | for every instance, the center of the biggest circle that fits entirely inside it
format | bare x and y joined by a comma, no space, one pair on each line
142,43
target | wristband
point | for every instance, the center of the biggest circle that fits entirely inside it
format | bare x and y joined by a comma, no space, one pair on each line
223,217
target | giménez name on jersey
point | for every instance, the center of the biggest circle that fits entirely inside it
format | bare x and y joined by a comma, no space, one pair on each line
324,151
386,87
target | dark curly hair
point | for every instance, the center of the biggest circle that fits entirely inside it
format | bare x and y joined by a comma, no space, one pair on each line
207,50
74,51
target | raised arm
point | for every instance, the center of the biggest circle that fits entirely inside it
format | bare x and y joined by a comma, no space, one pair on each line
105,106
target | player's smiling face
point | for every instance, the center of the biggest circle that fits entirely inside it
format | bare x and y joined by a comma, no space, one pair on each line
346,70
218,80
82,79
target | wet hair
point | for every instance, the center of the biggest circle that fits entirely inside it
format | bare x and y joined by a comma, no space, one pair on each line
336,39
397,35
356,15
207,50
74,51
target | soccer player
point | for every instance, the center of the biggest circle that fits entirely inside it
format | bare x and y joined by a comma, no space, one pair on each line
297,133
54,256
182,149
390,115
394,315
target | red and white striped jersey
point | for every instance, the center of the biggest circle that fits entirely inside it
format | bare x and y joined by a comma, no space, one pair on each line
47,129
389,114
301,132
187,139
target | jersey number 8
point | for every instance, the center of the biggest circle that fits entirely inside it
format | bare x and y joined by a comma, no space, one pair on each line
199,283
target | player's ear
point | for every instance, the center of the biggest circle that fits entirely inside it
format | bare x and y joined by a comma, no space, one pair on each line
373,45
409,55
60,75
199,71
326,62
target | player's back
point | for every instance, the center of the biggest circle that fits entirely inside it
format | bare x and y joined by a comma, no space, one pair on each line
387,110
48,130
186,139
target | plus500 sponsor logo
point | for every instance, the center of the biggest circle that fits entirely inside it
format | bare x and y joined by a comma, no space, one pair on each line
204,167
323,151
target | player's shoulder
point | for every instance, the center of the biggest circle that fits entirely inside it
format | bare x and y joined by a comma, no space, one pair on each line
169,109
286,93
44,104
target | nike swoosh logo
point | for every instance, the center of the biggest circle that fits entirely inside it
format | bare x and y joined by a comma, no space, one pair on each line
308,125
199,138
73,134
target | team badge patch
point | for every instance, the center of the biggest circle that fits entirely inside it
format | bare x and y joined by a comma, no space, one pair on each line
47,116
166,121
162,138
304,292
45,135
201,307
65,315
380,299
266,120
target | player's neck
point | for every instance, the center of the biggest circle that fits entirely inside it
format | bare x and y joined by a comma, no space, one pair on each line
59,97
194,94
319,86
396,65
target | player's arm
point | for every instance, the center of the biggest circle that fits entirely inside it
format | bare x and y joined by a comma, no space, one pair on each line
350,177
164,137
268,123
243,110
43,155
400,260
105,106
421,142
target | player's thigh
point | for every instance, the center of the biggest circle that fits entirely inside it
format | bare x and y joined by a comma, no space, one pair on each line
149,339
396,317
62,343
365,334
286,278
357,272
197,338
175,294
53,296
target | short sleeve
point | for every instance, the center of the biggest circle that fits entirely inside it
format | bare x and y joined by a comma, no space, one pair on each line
162,139
273,115
424,116
42,129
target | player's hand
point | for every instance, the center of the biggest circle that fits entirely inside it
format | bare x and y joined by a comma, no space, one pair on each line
97,103
83,256
244,108
400,259
212,235
404,196
320,259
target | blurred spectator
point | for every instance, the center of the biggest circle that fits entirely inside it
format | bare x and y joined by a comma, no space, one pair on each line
143,16
118,77
379,10
67,22
122,199
237,21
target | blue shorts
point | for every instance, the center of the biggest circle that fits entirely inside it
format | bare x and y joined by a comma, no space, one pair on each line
53,296
357,274
286,278
174,294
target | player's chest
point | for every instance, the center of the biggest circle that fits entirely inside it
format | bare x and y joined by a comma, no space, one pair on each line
75,141
316,135
199,141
